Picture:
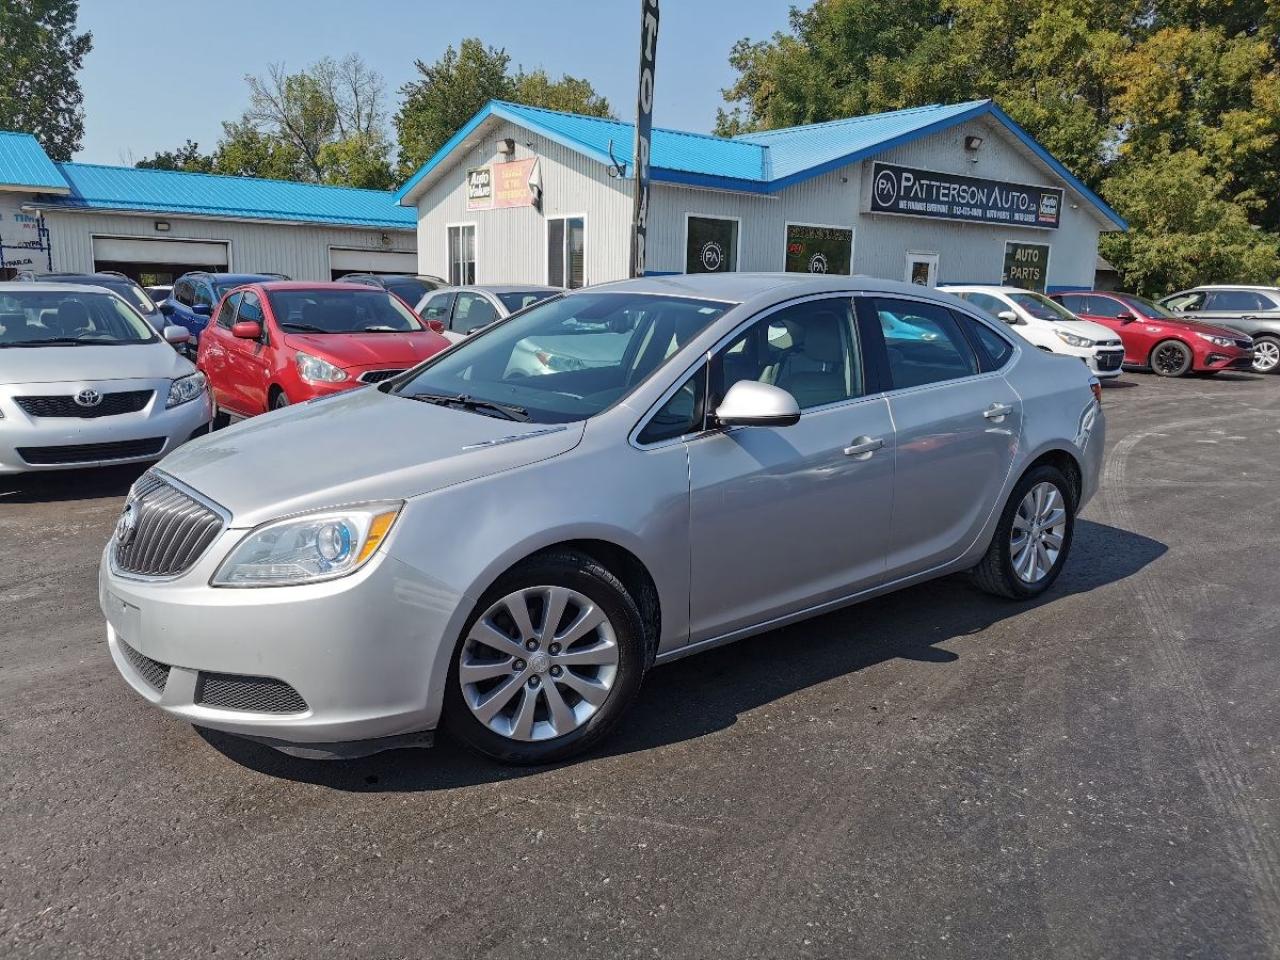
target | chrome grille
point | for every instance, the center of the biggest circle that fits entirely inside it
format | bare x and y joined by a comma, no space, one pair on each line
232,691
377,376
171,530
153,672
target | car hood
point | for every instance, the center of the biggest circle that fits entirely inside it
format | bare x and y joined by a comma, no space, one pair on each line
369,349
141,361
361,445
1194,326
1086,328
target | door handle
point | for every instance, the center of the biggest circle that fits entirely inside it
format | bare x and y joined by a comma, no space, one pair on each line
863,447
997,411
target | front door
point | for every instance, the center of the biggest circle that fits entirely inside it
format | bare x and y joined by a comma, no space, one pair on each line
922,269
215,348
248,361
782,519
957,432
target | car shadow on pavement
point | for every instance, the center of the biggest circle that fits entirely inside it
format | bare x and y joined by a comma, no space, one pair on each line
706,693
57,485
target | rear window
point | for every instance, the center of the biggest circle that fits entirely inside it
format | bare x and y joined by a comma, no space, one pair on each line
341,311
524,298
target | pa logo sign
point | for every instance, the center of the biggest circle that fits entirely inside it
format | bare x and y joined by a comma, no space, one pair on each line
886,188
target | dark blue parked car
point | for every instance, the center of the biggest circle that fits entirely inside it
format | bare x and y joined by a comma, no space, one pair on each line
196,294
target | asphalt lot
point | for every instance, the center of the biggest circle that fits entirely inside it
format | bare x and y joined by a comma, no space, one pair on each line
931,774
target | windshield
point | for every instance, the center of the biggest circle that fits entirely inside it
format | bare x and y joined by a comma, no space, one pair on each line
518,300
38,318
1041,307
342,311
567,359
1146,308
410,290
132,293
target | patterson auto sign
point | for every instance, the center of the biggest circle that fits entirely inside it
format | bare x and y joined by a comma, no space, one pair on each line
949,196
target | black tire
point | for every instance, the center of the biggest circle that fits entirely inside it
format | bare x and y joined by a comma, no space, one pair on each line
583,574
995,573
279,401
221,419
1271,347
1170,358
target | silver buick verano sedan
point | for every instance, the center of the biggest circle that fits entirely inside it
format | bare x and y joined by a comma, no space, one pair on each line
85,381
506,555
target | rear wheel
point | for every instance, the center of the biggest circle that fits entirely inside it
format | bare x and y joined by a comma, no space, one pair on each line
1266,354
1171,358
1033,537
550,660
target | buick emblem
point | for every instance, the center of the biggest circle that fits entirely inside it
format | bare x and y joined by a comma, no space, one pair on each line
127,525
88,398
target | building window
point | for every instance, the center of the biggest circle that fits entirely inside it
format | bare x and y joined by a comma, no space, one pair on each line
711,244
814,248
566,257
462,254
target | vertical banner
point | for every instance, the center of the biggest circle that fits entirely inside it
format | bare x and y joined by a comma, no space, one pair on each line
644,130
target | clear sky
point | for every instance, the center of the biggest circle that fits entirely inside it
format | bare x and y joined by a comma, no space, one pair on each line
163,71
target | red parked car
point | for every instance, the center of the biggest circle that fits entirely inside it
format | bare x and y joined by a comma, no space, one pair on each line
1171,346
275,343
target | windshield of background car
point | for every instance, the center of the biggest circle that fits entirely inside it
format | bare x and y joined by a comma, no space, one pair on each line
132,293
93,319
1041,307
341,311
410,291
1146,308
570,358
518,300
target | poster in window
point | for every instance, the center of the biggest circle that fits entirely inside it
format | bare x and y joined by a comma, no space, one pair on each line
711,245
814,249
1026,265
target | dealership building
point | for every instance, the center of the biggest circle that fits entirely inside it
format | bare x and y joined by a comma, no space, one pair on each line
156,224
953,193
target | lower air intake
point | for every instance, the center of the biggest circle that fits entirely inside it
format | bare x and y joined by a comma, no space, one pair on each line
231,691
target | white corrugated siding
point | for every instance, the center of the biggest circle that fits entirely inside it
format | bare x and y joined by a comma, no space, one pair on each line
511,244
302,252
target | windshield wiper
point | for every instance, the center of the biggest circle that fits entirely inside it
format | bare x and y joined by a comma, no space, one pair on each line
506,410
56,342
305,327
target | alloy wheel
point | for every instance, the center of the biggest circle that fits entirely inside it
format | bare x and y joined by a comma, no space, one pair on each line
1266,356
539,663
1038,530
1169,359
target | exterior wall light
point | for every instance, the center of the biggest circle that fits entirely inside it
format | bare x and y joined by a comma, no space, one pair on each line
162,226
972,142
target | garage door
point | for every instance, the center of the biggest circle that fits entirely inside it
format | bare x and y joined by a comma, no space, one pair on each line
343,261
158,261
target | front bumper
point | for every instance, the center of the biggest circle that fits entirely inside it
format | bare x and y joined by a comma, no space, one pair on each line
1221,358
357,653
1105,363
29,443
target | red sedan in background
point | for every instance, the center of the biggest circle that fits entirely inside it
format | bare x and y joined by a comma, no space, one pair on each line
1171,346
275,343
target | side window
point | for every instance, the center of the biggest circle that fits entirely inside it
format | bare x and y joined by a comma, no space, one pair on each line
1188,302
250,308
1074,302
985,301
994,350
1106,307
203,295
810,350
681,414
1235,300
936,352
437,308
227,313
471,311
182,292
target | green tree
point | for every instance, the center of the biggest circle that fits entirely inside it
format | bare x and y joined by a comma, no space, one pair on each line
186,157
41,54
449,91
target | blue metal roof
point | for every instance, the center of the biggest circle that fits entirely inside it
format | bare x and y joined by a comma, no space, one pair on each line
23,163
763,162
96,187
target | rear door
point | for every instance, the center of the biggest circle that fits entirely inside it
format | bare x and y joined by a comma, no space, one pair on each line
958,428
1238,309
1138,334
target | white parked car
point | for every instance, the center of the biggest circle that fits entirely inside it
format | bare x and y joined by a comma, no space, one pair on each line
85,381
464,310
1049,325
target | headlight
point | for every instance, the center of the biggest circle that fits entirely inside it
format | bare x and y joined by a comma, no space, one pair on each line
309,548
1217,341
185,388
1072,340
314,370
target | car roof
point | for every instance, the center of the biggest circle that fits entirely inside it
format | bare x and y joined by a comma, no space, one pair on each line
983,288
1230,286
500,288
74,277
232,277
54,286
312,285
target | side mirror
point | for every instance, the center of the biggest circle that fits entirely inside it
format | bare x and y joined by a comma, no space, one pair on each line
202,310
1009,317
752,404
1126,317
436,326
175,334
246,330
165,307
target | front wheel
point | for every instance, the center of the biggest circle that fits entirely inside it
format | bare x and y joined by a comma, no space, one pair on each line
550,660
1266,354
279,401
1032,539
1171,358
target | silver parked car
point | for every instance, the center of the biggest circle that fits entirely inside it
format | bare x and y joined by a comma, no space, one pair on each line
509,555
461,311
85,381
1253,310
